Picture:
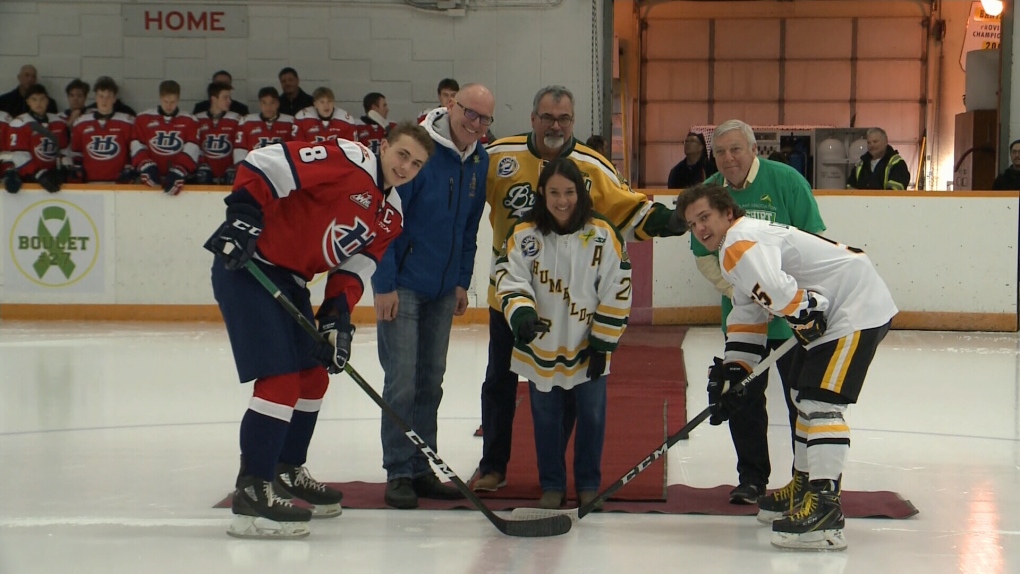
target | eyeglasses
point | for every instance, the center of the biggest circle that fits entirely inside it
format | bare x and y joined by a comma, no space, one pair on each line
548,120
472,115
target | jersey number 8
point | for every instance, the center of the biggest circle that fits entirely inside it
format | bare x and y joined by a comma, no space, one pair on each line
310,154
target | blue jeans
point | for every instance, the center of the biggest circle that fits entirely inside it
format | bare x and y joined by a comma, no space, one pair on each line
412,350
547,412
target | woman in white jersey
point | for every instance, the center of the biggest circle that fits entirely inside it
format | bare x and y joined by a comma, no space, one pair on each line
839,309
564,287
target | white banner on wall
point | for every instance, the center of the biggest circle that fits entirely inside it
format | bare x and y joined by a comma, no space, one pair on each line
984,32
55,244
185,20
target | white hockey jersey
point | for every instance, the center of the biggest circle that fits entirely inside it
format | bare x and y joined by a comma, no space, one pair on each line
771,267
578,283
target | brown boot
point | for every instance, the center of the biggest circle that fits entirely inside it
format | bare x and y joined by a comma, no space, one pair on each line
584,497
552,500
491,482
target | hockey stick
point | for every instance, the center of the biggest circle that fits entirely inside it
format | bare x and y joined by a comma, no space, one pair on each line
530,527
576,514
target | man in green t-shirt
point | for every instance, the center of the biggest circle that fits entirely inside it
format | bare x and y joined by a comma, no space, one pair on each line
775,192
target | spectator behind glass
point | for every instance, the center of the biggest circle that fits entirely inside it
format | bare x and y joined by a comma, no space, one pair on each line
14,102
1010,179
222,77
696,165
292,98
881,167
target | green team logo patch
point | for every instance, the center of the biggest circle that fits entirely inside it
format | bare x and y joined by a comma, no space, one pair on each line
54,243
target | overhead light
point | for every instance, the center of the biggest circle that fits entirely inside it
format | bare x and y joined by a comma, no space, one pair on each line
992,7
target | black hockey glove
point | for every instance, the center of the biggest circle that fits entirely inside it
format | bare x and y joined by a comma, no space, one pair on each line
676,224
127,175
173,182
234,242
228,176
49,179
809,324
335,351
203,175
721,378
12,181
150,174
596,364
529,327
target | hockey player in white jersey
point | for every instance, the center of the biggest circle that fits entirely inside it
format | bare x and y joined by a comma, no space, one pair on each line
564,287
839,309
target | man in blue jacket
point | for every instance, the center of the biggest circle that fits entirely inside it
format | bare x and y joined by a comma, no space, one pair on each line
422,282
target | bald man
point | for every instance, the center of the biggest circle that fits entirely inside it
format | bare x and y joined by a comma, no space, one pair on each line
418,291
14,102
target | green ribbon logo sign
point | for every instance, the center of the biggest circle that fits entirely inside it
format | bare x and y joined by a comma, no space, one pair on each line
54,251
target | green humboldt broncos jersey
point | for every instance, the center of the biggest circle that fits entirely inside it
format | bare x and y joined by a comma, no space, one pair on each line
778,194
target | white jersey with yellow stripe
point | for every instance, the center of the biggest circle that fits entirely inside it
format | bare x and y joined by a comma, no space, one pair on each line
578,283
772,267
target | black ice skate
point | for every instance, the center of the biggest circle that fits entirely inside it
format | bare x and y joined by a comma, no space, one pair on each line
774,505
816,525
296,482
259,513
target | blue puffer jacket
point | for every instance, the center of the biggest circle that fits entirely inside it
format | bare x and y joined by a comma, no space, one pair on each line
442,207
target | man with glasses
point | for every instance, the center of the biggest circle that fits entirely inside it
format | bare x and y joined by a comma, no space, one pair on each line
514,166
421,283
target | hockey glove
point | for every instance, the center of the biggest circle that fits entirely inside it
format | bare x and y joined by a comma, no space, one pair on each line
203,175
676,224
335,351
150,174
228,176
234,242
596,364
529,327
173,183
722,377
74,174
49,179
810,324
12,181
127,175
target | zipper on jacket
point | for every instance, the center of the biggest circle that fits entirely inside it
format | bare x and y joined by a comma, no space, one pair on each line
403,258
449,199
453,244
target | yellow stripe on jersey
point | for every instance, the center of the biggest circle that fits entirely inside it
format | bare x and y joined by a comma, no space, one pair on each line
755,329
609,332
836,429
567,353
735,252
517,301
612,311
547,373
839,364
794,303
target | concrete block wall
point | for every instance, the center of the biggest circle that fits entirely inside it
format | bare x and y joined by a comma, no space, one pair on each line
352,46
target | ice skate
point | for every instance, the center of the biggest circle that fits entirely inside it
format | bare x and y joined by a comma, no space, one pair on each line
816,525
774,505
259,513
296,482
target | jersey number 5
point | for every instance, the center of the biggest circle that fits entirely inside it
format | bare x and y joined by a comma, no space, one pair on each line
761,296
314,153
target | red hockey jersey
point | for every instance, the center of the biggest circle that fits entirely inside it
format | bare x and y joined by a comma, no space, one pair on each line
216,140
311,128
324,210
36,145
5,124
372,134
256,132
165,140
102,147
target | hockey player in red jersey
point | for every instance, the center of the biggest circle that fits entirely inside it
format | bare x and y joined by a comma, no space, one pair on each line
217,130
374,125
164,147
324,121
296,210
37,141
101,139
267,127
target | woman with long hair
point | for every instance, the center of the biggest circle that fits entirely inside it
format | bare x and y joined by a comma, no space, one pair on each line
564,286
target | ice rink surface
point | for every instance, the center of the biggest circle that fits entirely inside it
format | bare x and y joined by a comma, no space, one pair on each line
116,440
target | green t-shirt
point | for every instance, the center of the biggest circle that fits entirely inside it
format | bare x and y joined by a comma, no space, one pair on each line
779,194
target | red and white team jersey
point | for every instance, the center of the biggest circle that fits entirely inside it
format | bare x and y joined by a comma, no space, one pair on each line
771,267
5,124
165,140
256,132
216,140
102,146
312,128
324,210
32,144
371,134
